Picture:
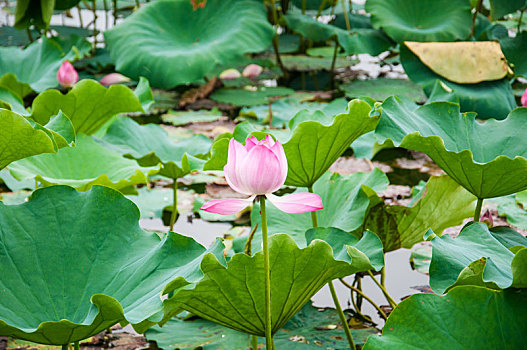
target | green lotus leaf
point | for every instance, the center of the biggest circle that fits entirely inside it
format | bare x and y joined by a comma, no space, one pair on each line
488,159
44,57
314,147
233,295
80,263
418,20
162,32
466,318
88,104
361,40
310,328
82,166
490,99
10,82
345,207
243,97
20,138
500,8
14,102
150,145
399,226
513,49
381,88
179,118
474,257
515,214
312,4
508,237
420,258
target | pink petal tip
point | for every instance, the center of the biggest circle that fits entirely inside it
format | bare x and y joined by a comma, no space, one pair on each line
300,202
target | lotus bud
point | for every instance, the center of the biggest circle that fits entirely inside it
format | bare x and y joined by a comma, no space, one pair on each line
487,219
230,74
252,71
114,78
258,169
524,98
67,76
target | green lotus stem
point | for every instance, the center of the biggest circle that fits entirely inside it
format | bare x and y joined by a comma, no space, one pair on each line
368,299
390,300
320,8
343,320
303,7
137,3
105,5
276,42
254,342
29,36
65,346
267,275
383,277
477,212
94,28
114,5
336,301
359,287
174,205
335,52
475,16
247,249
80,16
76,345
346,18
520,21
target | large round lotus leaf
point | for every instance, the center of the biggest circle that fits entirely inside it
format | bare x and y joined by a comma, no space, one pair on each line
89,105
422,20
171,44
345,207
466,62
150,145
475,257
490,99
466,318
444,204
488,159
514,49
74,264
82,166
20,138
233,295
361,40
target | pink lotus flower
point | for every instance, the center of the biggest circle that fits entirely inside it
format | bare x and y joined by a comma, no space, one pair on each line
260,168
67,75
524,98
487,219
114,78
252,71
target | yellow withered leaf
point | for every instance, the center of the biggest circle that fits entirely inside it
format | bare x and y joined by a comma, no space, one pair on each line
465,62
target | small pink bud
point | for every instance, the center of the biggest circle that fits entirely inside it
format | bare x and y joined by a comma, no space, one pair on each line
196,4
67,76
114,78
524,98
252,71
487,219
230,74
